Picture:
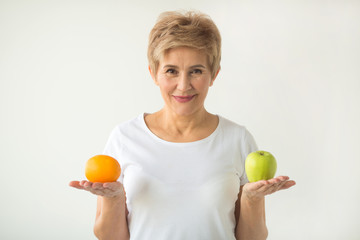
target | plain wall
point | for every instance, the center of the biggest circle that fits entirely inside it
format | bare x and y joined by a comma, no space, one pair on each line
71,70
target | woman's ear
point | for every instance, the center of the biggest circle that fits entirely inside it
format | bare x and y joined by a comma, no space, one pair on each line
153,75
212,81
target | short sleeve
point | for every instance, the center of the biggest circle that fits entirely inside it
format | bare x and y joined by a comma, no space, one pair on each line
249,146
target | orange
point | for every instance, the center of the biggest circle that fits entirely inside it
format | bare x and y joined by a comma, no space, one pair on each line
102,168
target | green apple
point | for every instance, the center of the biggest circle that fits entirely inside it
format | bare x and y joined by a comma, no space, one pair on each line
260,165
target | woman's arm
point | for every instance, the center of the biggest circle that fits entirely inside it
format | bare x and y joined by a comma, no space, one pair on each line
111,212
250,207
251,219
111,222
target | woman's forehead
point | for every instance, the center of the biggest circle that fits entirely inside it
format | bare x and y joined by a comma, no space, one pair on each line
184,55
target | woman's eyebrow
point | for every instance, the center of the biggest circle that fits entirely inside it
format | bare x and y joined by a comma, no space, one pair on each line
170,66
193,66
198,66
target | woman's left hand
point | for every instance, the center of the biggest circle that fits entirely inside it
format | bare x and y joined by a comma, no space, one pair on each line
256,191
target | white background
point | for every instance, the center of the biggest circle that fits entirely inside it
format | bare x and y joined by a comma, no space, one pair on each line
71,70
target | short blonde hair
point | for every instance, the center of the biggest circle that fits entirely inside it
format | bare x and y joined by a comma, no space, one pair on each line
190,29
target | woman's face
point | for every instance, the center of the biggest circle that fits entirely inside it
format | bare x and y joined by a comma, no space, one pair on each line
184,77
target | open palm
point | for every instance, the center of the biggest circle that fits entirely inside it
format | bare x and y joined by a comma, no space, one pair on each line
257,190
108,189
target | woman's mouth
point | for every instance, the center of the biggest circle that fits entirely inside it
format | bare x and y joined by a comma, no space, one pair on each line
183,99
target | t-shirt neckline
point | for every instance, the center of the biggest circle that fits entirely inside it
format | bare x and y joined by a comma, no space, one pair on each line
206,139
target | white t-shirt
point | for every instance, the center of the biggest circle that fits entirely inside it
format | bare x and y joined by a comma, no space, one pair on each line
181,191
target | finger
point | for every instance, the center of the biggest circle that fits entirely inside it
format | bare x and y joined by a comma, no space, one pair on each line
286,178
75,184
269,184
275,188
278,179
82,182
94,188
273,181
284,185
109,186
276,182
283,178
97,185
114,186
281,186
267,189
88,184
287,185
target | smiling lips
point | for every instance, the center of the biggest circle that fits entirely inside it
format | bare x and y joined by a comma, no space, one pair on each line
184,99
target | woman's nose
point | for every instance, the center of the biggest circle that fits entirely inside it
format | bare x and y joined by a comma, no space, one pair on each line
184,83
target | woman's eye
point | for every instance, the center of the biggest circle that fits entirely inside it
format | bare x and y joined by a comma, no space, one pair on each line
196,71
171,71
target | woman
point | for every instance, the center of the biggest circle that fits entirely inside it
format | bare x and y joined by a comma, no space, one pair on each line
182,167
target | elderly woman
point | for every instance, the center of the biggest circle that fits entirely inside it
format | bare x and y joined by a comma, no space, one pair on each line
182,167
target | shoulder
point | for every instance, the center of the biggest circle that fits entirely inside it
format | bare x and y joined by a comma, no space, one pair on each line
127,129
128,125
123,133
237,133
232,128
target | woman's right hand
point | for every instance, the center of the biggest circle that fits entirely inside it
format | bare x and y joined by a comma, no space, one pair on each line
108,189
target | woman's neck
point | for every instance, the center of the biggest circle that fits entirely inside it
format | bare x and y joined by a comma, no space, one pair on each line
183,123
181,128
